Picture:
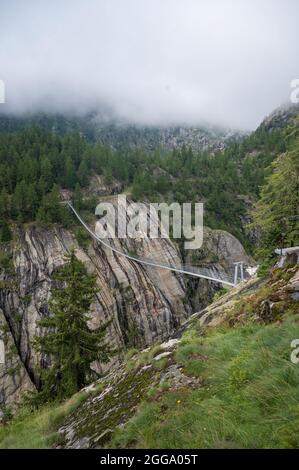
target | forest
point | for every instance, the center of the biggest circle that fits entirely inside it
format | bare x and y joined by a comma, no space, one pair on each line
36,163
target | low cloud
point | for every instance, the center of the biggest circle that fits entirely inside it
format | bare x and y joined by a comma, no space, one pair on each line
227,62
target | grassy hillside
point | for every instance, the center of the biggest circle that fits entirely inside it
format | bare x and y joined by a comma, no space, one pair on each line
248,396
37,429
228,383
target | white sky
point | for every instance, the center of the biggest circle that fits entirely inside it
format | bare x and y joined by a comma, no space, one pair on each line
228,62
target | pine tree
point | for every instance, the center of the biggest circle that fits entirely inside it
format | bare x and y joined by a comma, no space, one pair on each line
108,176
4,203
46,172
83,174
51,211
19,201
277,212
77,197
69,341
70,173
5,232
32,201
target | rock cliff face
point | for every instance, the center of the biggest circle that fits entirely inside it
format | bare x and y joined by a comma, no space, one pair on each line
145,304
169,138
281,117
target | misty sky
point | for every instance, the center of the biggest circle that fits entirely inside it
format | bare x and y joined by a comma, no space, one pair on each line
227,62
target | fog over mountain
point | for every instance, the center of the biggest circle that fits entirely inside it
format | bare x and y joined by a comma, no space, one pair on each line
157,62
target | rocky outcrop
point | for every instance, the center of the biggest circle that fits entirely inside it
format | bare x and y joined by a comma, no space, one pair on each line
216,258
281,117
98,186
152,137
112,401
258,300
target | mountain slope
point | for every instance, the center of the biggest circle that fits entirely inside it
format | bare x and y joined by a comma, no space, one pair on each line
226,380
217,385
119,135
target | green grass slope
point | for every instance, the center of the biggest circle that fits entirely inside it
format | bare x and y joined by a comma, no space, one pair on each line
249,397
228,383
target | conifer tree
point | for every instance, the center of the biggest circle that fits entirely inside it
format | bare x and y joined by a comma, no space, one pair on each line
51,211
69,342
83,173
4,203
70,173
5,232
46,172
277,212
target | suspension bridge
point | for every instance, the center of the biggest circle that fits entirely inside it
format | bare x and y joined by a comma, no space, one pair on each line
188,270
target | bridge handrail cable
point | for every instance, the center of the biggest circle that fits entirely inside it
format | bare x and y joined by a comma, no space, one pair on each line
143,261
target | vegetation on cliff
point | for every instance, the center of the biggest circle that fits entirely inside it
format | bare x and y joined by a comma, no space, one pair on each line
277,211
69,343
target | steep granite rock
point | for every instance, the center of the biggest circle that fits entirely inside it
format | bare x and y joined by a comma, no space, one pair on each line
145,304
